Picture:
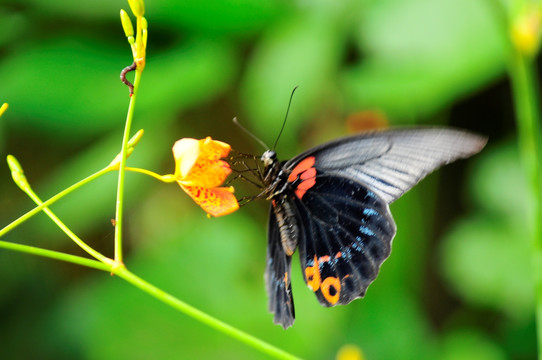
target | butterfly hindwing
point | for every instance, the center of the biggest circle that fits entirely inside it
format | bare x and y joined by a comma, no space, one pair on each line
277,276
345,235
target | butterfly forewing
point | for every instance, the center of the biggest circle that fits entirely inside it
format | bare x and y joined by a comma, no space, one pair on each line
392,162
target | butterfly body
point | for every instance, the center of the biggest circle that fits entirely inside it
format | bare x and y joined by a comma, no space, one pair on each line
332,203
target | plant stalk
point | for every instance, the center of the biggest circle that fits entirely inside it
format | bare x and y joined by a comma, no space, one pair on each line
526,93
122,170
196,314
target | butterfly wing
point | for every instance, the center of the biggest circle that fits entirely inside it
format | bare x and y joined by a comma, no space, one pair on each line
341,192
391,162
346,234
277,276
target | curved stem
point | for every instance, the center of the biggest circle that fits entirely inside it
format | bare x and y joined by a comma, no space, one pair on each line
52,200
55,255
123,273
83,245
183,307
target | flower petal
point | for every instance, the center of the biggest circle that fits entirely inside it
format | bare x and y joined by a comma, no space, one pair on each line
215,201
201,167
185,153
199,171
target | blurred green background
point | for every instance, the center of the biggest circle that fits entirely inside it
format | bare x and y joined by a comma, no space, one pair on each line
457,285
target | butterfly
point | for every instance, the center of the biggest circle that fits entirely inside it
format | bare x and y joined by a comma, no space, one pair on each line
331,203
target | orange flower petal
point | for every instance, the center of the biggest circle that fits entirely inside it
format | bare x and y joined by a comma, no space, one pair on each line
216,201
198,162
199,171
214,149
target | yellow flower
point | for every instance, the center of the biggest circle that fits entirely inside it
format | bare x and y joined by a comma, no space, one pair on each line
200,172
525,30
350,352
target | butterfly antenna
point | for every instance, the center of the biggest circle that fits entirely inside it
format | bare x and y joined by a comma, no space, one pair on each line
286,117
258,140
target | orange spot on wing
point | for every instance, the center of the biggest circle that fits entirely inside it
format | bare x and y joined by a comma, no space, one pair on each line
312,274
331,289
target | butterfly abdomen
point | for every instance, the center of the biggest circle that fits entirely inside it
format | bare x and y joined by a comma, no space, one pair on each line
287,223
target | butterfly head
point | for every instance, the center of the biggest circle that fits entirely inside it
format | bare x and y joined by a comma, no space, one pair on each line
269,158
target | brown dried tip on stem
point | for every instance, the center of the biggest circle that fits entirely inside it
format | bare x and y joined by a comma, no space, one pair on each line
123,73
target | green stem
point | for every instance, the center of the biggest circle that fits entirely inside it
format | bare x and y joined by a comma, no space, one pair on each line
526,94
55,255
106,264
165,178
52,200
159,294
83,245
183,307
122,169
122,272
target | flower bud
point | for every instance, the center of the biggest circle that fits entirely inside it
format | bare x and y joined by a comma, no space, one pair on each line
137,6
126,24
17,173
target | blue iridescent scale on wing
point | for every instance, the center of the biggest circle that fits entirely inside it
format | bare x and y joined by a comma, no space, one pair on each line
346,221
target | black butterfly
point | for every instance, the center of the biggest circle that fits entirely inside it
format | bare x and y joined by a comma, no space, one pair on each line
332,202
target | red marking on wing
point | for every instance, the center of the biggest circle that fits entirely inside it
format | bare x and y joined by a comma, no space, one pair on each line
325,258
307,173
303,165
